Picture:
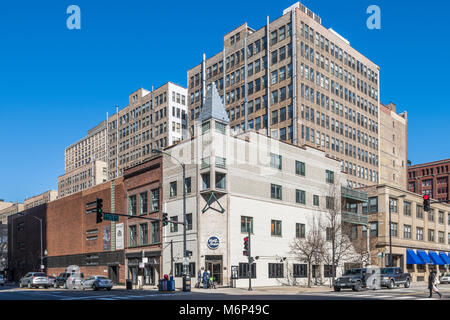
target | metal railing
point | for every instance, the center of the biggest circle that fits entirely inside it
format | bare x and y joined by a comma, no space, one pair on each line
355,218
354,194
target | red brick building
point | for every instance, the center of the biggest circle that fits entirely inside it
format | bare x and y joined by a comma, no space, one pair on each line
143,194
430,178
75,238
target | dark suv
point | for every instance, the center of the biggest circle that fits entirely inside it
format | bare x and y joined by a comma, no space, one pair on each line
61,280
392,277
352,278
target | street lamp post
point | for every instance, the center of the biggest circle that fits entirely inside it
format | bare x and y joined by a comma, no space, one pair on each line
183,166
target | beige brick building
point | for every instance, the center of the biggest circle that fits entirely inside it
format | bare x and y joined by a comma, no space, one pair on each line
393,146
152,120
9,210
40,199
297,81
82,178
412,229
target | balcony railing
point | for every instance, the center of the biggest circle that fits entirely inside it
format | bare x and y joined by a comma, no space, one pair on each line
354,194
355,218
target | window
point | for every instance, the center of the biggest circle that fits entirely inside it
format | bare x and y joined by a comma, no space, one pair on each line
205,181
407,231
300,168
407,208
300,230
132,205
330,202
328,234
220,180
430,235
243,270
419,211
393,206
188,185
328,271
441,237
316,200
173,189
441,217
143,203
394,229
419,233
275,228
174,226
132,236
276,192
155,235
205,127
300,271
246,224
179,269
154,201
188,221
143,234
329,176
276,270
300,196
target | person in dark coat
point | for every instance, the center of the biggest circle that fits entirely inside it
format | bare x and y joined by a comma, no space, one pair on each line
432,284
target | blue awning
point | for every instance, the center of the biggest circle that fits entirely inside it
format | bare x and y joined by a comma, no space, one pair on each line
423,256
435,258
412,258
444,257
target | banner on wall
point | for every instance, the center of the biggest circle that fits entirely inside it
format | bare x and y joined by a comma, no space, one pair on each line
107,238
119,236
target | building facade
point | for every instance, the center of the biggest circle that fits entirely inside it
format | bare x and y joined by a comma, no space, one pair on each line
237,184
413,231
13,208
40,199
430,178
393,146
88,149
299,82
86,176
152,120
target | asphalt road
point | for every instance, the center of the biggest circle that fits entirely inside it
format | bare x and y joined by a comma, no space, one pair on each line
413,293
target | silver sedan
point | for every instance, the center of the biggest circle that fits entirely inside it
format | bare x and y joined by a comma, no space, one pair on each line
97,282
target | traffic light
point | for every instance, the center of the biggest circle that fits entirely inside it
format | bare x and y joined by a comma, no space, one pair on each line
426,203
99,210
165,219
245,246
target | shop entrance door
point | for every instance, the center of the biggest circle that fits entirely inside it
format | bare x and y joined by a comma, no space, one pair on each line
214,265
113,274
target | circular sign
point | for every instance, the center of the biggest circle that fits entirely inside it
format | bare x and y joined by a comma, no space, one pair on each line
213,243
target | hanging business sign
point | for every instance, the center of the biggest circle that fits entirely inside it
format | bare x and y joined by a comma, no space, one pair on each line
119,236
213,243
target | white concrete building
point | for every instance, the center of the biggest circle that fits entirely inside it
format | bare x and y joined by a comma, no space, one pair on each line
236,183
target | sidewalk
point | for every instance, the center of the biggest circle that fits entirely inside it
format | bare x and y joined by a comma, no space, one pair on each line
266,290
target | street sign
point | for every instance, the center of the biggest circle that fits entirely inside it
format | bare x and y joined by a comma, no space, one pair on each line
110,217
141,265
185,261
145,260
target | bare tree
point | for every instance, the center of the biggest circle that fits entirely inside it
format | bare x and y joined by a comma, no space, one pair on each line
310,248
339,245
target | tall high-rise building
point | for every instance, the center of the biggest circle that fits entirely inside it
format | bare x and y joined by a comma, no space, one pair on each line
297,81
152,120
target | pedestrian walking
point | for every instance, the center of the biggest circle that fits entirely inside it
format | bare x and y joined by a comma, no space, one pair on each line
433,282
199,279
205,280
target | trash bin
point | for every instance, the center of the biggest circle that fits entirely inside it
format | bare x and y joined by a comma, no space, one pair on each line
164,285
171,284
129,284
186,283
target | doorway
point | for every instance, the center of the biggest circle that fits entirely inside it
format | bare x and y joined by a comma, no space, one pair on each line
214,265
113,274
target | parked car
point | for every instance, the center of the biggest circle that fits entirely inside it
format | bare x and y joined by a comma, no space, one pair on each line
352,278
2,280
445,278
34,280
75,281
60,280
97,282
51,281
394,277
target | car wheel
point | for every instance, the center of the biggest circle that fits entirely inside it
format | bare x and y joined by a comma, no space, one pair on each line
358,286
55,285
337,289
65,285
407,283
109,289
391,284
94,287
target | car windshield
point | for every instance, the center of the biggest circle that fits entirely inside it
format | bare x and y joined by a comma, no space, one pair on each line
102,278
40,275
447,275
387,271
352,272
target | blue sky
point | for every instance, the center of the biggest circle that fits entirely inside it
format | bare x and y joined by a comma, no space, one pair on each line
56,83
